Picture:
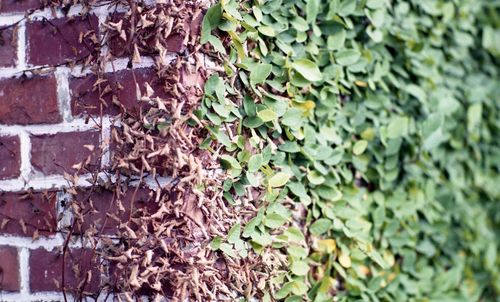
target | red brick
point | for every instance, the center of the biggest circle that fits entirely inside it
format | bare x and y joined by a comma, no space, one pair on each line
12,6
29,101
24,215
85,96
105,213
46,270
10,157
57,153
9,269
8,47
58,41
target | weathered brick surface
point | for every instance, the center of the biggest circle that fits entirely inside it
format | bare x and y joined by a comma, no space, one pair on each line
10,6
29,101
10,157
8,47
57,41
58,153
108,209
79,266
33,102
25,215
85,96
9,269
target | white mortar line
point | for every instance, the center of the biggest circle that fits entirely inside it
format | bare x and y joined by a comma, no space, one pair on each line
151,183
63,96
74,11
65,214
47,243
42,183
102,16
6,19
39,297
44,13
47,182
7,72
25,148
78,124
118,64
77,71
58,296
24,270
121,63
105,142
21,46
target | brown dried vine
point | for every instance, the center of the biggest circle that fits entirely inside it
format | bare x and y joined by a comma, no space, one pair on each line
155,242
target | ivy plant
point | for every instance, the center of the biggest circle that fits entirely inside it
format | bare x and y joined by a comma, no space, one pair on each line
379,121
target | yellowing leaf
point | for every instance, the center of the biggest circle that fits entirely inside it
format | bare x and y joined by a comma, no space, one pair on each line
267,115
327,245
307,105
364,270
279,180
359,147
345,260
360,83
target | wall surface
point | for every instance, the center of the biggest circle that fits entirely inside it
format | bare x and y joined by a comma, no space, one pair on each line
43,130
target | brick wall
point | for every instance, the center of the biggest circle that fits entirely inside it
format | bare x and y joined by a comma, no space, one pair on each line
46,133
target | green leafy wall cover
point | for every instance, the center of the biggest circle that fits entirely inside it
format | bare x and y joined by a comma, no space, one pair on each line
371,130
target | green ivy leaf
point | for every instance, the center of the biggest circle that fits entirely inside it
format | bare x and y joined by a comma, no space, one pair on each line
320,226
267,31
315,178
217,44
211,20
230,162
228,250
259,73
336,40
308,69
312,9
274,220
294,234
233,235
216,242
375,4
299,288
474,116
255,162
347,57
300,268
347,7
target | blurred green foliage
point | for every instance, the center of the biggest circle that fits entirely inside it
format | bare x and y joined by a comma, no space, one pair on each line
382,119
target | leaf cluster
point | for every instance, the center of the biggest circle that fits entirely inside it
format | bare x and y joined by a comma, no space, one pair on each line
370,130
